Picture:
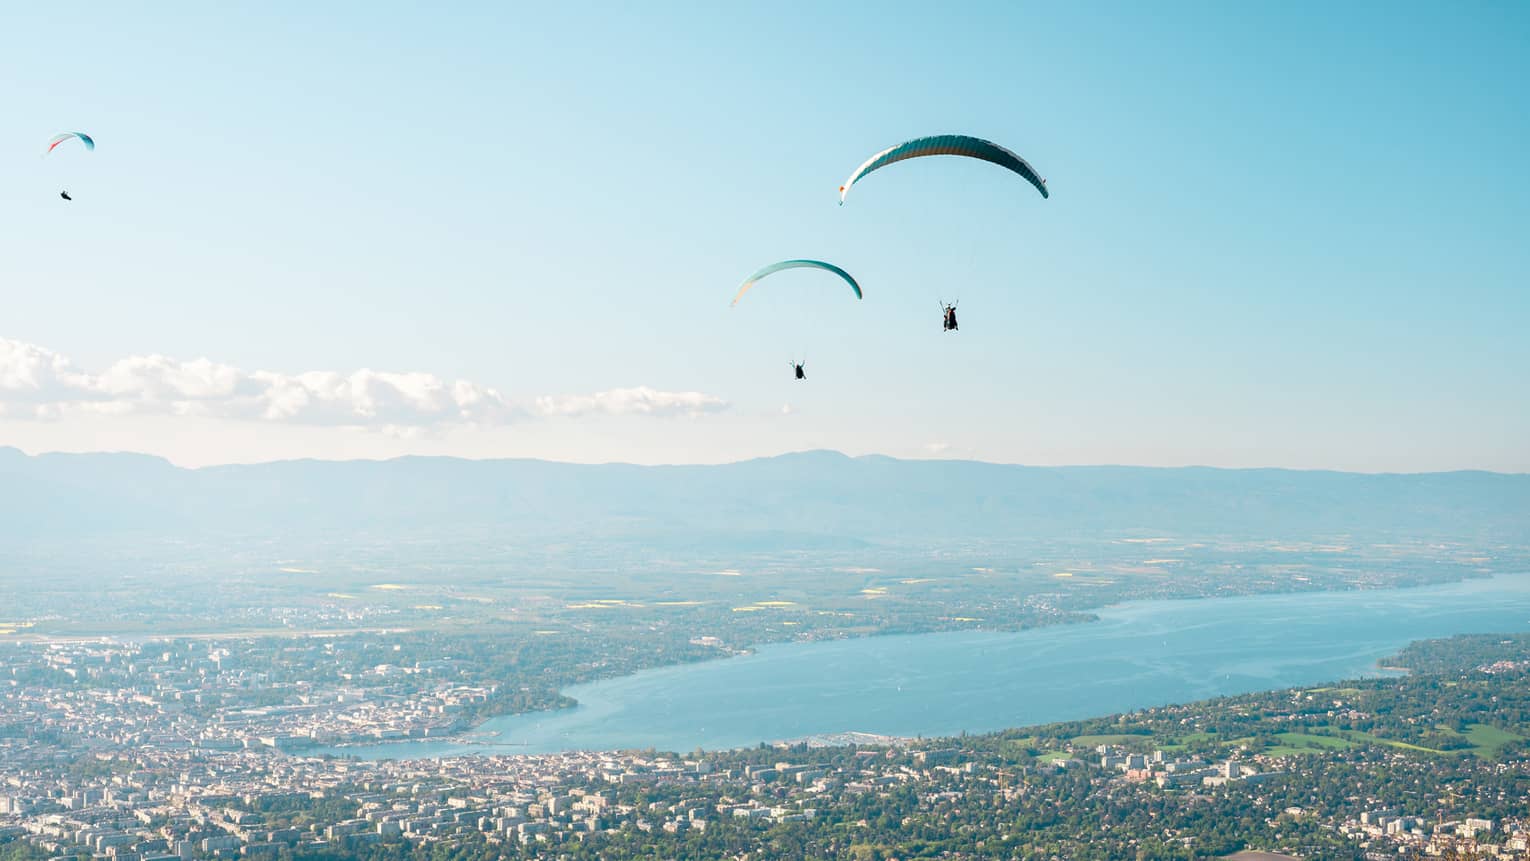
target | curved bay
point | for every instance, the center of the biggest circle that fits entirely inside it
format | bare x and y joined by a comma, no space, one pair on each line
1137,655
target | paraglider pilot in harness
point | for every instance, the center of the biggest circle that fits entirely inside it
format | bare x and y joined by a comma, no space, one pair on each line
798,368
950,315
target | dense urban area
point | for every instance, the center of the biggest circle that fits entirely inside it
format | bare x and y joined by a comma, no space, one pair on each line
201,748
215,714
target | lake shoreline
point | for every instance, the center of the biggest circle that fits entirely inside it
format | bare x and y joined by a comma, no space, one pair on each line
500,726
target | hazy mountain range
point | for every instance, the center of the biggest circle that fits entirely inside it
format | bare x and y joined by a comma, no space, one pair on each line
808,495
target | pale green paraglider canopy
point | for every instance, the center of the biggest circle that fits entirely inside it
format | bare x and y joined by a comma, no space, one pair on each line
961,145
796,264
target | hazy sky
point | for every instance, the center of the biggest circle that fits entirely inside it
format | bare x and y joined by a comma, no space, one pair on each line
1280,234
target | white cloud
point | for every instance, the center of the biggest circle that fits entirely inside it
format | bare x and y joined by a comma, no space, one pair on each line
30,374
937,447
636,401
38,383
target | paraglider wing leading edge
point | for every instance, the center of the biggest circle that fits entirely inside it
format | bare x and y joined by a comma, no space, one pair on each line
60,138
959,145
795,264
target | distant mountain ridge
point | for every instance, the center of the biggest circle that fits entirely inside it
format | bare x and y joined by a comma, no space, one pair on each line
816,493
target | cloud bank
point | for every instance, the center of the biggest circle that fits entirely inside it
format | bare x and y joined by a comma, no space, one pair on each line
639,401
38,383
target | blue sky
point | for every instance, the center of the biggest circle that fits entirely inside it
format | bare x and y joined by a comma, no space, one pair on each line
1279,235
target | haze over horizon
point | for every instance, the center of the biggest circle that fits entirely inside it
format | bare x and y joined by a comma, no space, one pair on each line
936,457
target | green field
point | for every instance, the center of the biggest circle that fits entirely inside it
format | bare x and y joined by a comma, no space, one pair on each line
1183,741
1367,738
1117,738
1488,740
1296,743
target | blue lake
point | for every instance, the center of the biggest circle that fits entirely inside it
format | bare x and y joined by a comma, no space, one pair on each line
1139,654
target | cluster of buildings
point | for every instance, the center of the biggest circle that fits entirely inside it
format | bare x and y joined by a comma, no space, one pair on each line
198,749
1391,833
1168,772
181,804
191,694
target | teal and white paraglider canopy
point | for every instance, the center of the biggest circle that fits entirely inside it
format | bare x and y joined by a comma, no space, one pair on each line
796,264
961,145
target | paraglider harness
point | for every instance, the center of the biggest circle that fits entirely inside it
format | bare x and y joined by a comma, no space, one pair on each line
798,368
949,324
